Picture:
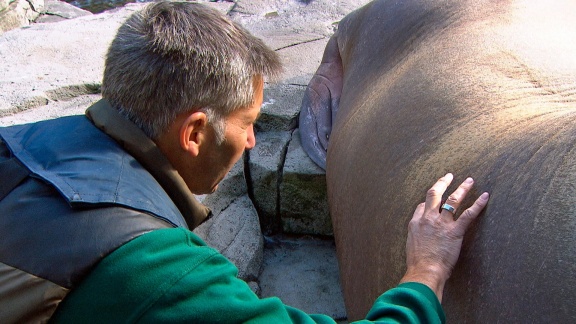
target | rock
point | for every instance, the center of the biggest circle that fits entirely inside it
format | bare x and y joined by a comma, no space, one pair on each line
19,13
297,29
255,287
292,17
299,71
265,163
303,273
225,7
48,62
55,11
53,109
4,4
292,46
235,232
303,201
280,107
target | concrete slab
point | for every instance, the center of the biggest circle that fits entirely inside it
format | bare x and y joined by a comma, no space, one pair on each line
265,163
48,62
299,71
55,11
52,109
235,232
303,196
303,273
280,107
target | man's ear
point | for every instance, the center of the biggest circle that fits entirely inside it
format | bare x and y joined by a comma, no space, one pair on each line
193,132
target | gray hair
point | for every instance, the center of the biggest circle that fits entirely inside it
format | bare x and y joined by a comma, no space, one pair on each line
175,57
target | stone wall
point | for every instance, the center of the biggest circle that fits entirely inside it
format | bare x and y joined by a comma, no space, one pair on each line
17,13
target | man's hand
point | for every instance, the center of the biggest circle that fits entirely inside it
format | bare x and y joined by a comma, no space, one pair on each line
435,238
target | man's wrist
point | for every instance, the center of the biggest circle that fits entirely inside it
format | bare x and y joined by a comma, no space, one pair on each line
430,277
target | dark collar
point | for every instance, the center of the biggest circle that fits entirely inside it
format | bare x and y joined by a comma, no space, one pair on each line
145,151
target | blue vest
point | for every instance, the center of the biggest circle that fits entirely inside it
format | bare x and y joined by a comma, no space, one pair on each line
69,195
87,166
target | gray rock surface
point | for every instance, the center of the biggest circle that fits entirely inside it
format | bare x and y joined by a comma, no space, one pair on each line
53,109
55,69
17,13
302,271
55,11
235,232
58,61
303,203
4,4
280,107
265,163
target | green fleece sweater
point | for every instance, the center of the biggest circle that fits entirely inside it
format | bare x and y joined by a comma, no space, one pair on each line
171,275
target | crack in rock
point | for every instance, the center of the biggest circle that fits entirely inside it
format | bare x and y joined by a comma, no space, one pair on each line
300,43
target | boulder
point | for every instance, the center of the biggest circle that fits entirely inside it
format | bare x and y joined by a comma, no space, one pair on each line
55,11
303,272
280,107
52,109
303,196
4,4
235,232
234,228
49,62
18,13
265,162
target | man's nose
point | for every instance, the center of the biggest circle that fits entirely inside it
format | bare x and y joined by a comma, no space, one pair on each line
251,139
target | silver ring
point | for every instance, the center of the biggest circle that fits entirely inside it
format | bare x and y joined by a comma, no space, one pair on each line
449,208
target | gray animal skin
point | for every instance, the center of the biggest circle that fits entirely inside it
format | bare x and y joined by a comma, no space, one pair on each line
410,90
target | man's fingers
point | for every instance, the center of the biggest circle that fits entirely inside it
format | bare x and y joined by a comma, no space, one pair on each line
419,211
434,194
470,214
456,198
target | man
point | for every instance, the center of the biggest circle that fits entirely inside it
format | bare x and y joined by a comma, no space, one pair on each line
95,209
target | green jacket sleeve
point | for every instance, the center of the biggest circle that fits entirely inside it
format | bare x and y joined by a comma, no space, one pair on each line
170,275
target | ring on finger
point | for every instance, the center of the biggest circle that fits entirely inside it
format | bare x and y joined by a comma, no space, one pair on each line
449,208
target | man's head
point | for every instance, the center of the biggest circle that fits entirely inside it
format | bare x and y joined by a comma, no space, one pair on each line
173,57
185,73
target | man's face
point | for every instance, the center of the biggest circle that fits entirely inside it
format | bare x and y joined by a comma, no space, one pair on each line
239,136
